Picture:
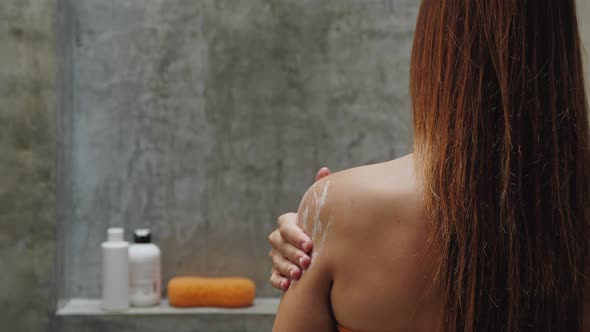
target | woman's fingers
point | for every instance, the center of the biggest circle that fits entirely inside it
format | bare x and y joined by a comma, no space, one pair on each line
284,266
290,246
322,173
292,234
287,252
278,281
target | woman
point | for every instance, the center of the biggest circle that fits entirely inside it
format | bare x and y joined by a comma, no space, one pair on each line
484,227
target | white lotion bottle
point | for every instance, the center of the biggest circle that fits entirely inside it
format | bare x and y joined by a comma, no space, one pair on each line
145,269
115,271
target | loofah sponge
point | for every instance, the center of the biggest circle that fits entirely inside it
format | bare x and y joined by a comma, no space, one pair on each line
211,292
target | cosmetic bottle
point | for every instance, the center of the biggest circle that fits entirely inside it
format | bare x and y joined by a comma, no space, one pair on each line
115,271
145,270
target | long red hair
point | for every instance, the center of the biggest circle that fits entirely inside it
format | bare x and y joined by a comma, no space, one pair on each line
502,147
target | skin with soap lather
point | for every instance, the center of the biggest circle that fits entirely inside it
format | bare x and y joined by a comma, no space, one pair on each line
290,247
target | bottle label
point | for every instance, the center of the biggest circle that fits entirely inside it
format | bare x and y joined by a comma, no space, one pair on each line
145,279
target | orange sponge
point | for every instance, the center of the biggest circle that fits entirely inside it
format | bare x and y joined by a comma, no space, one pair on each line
211,292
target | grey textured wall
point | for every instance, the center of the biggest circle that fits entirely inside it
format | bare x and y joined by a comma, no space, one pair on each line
167,324
27,227
584,23
205,120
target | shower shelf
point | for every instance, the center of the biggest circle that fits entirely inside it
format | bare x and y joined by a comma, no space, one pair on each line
91,307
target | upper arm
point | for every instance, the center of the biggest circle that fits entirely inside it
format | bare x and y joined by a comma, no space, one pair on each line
306,305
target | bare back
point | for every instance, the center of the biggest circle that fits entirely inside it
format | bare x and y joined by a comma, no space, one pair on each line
381,277
371,269
382,271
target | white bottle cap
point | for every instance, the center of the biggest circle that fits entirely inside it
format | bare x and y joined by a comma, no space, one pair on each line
115,234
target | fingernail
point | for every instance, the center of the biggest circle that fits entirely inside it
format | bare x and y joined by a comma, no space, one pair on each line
293,273
301,260
306,245
284,284
305,262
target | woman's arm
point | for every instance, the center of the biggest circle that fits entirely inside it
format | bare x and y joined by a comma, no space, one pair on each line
306,305
290,247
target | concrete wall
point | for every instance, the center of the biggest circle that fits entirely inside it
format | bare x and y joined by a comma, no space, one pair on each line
201,119
584,24
166,324
27,223
205,120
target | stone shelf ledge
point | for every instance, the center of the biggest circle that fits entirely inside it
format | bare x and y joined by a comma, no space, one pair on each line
91,307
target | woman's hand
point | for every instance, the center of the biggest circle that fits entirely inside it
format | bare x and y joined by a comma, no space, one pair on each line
290,247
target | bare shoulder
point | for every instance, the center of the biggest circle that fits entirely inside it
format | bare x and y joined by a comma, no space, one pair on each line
380,188
373,191
354,203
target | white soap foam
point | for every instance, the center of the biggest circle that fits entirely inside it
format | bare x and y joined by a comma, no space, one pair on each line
319,203
305,217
